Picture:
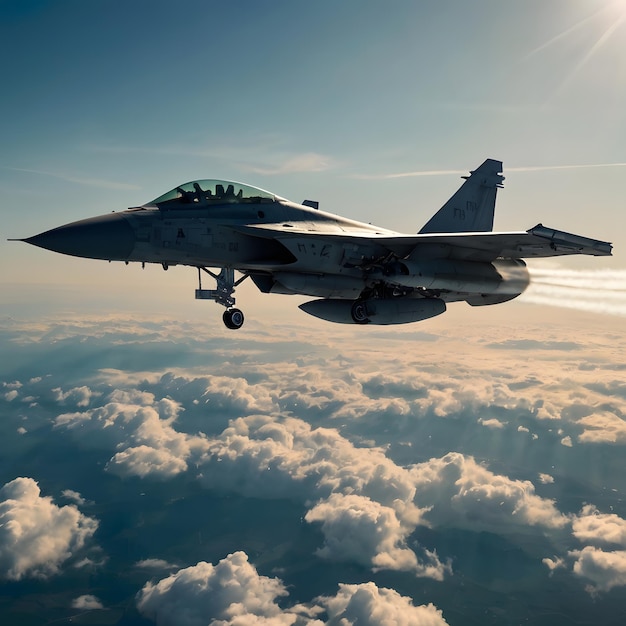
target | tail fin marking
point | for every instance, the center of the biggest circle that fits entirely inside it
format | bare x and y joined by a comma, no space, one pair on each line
471,208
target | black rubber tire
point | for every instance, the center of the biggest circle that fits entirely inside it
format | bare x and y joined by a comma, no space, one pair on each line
233,319
359,312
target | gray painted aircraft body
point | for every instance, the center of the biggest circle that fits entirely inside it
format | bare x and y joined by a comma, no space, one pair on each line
357,273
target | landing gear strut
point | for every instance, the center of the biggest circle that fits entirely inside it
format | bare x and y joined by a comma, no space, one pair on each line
223,294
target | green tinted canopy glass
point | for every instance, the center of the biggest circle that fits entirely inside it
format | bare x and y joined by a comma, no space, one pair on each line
214,192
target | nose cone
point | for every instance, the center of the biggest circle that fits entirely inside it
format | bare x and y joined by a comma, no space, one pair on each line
109,237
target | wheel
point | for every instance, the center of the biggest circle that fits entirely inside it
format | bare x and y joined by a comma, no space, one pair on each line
233,318
359,312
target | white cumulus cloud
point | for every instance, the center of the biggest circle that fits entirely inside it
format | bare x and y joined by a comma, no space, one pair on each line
368,605
491,423
146,460
80,396
36,535
462,492
554,563
262,456
74,496
145,436
546,479
229,593
155,564
593,527
604,569
603,427
233,593
361,493
87,603
357,529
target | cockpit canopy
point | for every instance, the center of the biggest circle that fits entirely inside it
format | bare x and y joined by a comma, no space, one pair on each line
208,192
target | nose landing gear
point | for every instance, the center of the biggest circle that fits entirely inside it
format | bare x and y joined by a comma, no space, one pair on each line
233,318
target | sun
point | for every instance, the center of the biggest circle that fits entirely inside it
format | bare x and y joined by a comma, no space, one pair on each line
614,15
606,19
602,27
618,8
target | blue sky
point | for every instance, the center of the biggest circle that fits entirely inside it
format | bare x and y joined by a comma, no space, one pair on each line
109,104
439,472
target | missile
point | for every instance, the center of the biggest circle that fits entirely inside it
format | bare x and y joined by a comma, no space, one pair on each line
375,311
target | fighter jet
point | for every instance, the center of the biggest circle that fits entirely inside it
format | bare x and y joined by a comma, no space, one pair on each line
358,273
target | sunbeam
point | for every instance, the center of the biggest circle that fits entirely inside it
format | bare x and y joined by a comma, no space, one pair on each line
610,18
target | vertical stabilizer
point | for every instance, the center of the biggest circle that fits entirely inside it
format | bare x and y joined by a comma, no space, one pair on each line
472,207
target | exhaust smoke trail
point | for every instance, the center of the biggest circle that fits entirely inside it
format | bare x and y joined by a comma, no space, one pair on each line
595,291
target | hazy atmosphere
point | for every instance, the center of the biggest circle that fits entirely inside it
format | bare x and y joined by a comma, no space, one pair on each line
156,467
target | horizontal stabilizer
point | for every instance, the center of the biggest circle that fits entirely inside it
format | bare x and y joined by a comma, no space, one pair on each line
567,243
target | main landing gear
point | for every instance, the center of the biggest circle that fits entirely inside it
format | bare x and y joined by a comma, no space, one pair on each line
359,312
223,294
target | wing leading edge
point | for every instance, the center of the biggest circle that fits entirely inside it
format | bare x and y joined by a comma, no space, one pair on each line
537,242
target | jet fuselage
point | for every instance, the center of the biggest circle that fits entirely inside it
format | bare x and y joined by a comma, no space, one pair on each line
365,274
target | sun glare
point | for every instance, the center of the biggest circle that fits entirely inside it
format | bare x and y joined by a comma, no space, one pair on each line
618,8
595,32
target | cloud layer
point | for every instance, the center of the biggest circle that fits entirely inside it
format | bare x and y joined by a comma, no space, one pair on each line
376,478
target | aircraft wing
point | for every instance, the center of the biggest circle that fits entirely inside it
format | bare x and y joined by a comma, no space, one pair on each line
536,242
